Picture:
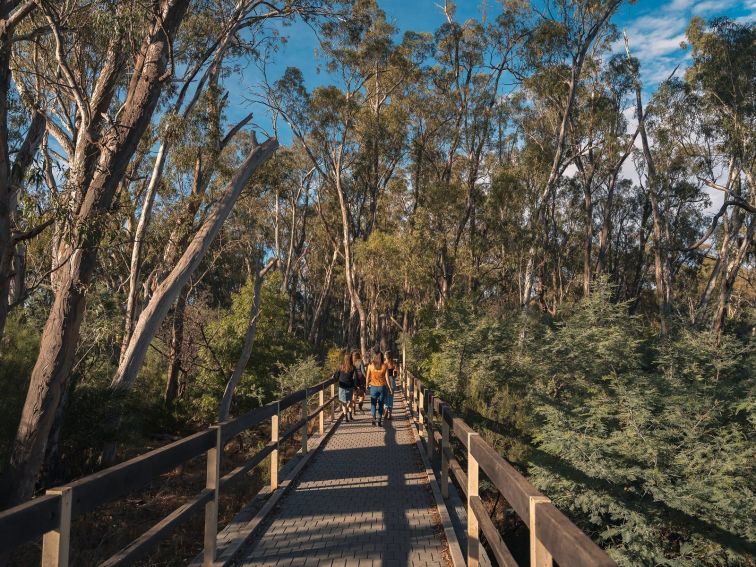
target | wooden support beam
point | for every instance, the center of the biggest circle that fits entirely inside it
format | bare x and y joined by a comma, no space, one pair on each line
473,535
333,403
539,555
445,449
305,415
321,415
211,508
56,543
274,424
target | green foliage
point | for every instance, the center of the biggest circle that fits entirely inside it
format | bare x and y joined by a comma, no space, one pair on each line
273,347
18,351
297,375
476,364
647,445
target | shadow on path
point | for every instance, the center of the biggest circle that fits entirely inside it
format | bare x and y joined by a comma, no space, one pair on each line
364,499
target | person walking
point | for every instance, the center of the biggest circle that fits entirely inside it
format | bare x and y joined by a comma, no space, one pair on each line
360,384
379,387
391,380
346,379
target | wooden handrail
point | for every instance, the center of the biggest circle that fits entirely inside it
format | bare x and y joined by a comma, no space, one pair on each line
553,537
51,515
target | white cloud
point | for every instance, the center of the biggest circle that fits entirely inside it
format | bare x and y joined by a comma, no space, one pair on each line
708,6
677,5
655,36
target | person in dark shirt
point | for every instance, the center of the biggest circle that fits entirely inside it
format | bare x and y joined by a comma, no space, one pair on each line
360,385
346,377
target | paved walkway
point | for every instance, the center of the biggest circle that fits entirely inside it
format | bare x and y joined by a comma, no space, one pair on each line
363,500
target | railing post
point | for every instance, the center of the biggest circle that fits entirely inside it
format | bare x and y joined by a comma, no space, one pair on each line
333,403
539,555
404,358
415,397
422,414
211,508
305,416
55,543
274,422
445,448
321,416
411,395
429,424
473,541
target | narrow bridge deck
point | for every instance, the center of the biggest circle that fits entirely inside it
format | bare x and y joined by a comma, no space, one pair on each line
363,500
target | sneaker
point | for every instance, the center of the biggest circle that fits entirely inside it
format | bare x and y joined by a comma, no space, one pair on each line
380,423
373,422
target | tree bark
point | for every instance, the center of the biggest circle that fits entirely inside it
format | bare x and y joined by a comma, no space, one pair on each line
349,268
11,176
312,335
174,354
168,290
51,373
653,184
731,271
136,250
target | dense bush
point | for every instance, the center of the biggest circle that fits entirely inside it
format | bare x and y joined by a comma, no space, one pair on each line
275,350
647,445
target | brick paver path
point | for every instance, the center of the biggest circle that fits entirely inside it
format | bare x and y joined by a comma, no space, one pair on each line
363,500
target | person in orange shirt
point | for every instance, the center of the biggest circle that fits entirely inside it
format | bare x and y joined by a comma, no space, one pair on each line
378,386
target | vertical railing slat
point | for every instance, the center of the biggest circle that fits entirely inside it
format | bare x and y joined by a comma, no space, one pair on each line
211,508
445,448
321,417
473,541
56,543
333,403
539,555
274,425
305,415
429,422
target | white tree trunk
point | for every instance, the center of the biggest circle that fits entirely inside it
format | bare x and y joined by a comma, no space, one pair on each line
168,290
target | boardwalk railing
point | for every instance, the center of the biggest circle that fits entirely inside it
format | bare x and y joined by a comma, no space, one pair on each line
553,537
50,515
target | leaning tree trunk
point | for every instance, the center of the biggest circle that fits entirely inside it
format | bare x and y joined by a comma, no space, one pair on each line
167,292
249,341
51,373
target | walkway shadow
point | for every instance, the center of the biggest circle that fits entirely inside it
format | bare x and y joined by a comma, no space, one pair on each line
363,496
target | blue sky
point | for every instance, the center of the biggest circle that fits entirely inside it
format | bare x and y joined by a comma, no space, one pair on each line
655,29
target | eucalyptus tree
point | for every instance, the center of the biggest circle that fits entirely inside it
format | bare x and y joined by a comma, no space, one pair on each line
564,35
12,172
601,144
99,147
334,124
719,95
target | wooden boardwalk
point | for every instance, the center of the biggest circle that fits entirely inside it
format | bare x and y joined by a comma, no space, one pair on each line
364,499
